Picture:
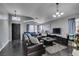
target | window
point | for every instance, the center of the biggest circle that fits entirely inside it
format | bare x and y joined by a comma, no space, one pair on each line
16,18
31,28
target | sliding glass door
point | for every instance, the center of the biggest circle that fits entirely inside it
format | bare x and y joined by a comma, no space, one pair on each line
71,28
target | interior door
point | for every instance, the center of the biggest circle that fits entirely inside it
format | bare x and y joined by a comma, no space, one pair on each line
15,31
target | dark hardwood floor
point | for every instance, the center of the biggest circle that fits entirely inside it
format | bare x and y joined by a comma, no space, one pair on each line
15,49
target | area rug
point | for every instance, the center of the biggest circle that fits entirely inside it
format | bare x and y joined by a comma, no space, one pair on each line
55,48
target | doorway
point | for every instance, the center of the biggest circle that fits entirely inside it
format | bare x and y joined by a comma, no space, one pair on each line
15,31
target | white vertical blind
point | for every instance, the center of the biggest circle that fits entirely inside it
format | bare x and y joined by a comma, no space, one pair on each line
36,28
31,28
40,28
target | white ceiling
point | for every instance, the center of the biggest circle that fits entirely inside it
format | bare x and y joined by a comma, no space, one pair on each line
43,11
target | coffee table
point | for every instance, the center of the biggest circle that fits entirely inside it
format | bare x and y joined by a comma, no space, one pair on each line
48,41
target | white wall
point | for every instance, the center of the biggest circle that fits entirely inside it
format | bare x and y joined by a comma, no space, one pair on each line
59,23
4,33
23,29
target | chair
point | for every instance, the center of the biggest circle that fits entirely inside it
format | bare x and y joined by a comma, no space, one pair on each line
31,49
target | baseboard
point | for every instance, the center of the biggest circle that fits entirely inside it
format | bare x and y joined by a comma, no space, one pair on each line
4,45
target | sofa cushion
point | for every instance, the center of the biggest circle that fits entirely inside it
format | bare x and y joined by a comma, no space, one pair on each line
34,40
26,37
32,33
26,40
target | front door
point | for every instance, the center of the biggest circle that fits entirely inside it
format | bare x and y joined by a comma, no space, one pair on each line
15,31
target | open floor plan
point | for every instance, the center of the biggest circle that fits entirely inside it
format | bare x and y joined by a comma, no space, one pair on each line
39,29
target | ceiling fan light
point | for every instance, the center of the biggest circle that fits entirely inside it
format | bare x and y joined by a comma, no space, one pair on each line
54,15
61,13
57,13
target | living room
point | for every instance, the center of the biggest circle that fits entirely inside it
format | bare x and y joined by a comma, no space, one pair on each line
36,30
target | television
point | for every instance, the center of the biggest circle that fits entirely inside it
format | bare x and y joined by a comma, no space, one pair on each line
56,30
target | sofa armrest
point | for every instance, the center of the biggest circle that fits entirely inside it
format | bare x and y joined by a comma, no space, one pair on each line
35,47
